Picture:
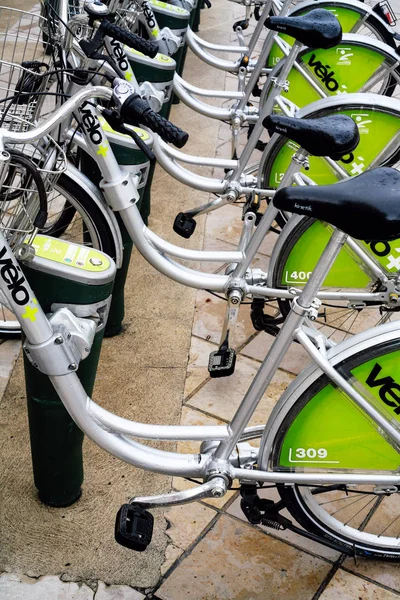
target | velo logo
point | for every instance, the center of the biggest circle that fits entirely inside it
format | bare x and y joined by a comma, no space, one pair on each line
91,123
344,56
357,167
389,390
11,274
119,55
383,249
322,72
362,121
148,14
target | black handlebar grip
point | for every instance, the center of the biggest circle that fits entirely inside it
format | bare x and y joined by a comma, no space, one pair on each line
129,39
136,110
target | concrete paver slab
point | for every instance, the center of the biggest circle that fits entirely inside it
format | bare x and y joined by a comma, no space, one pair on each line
238,562
347,587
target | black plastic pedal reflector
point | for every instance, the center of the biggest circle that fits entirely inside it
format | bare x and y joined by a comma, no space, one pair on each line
134,527
184,225
222,363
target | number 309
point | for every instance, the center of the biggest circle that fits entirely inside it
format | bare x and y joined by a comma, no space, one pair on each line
311,453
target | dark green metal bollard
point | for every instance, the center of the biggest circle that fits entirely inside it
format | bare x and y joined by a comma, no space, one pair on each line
82,278
177,19
134,160
197,16
159,71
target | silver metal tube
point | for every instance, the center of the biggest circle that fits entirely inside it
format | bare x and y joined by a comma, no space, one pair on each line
201,161
118,424
216,47
209,59
189,254
60,114
266,222
192,89
205,184
279,347
316,478
189,277
368,262
213,112
322,267
75,400
264,111
259,28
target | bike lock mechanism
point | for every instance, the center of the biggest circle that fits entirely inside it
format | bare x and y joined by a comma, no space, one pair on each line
73,284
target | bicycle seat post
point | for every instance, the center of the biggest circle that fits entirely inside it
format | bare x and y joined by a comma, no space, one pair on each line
267,109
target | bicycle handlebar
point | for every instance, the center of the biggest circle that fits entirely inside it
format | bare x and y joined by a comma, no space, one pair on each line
128,39
136,110
22,137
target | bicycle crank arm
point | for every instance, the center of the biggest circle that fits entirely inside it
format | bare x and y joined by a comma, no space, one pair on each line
134,524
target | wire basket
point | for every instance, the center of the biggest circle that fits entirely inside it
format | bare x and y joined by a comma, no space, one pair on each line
128,15
21,36
31,174
26,72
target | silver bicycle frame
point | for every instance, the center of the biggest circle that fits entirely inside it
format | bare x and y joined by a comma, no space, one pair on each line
111,432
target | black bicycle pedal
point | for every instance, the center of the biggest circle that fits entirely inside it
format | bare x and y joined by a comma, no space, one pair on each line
134,527
222,363
184,225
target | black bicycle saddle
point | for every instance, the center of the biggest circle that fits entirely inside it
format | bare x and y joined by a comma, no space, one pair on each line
317,29
367,207
332,136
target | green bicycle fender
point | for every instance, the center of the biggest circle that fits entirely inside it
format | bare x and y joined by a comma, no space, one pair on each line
347,271
331,432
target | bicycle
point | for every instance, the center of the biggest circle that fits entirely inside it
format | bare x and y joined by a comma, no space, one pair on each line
311,425
176,251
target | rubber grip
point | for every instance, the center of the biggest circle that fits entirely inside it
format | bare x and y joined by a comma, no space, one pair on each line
129,39
136,110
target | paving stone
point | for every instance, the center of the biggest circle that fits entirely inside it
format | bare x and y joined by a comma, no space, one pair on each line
237,562
209,317
347,587
221,397
172,553
197,371
21,587
387,573
116,592
294,361
186,522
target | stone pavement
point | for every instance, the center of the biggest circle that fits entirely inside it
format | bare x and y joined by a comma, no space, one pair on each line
208,551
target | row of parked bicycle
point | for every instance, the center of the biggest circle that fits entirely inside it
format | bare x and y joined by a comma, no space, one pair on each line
86,94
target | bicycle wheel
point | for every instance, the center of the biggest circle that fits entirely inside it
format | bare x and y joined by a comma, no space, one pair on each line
324,425
74,217
375,119
304,240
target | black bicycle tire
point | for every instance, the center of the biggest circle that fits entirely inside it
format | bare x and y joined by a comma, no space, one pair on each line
89,209
290,494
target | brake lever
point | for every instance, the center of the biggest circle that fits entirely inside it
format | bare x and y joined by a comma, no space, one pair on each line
115,122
